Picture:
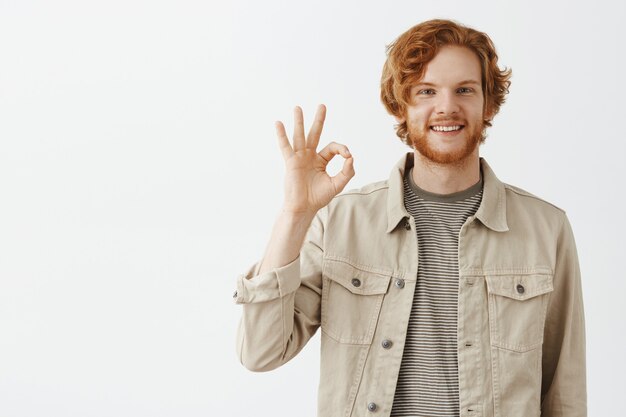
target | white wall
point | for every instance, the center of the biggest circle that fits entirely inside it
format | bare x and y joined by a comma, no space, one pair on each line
139,175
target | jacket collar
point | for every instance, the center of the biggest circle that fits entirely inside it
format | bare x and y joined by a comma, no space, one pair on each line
491,212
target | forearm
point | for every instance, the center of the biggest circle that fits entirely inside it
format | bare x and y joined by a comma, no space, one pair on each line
286,240
564,392
281,305
266,326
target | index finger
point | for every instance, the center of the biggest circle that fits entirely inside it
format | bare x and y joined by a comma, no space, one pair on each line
283,141
315,132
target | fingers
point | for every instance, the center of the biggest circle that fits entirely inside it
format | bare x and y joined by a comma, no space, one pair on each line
298,129
315,132
332,149
347,171
283,140
343,177
299,141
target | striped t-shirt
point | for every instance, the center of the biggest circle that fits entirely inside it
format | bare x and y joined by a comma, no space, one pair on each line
428,383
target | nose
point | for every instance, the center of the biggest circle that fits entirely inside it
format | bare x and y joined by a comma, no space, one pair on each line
447,103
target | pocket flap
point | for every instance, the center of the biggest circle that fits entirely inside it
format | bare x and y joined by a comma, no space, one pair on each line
355,279
519,287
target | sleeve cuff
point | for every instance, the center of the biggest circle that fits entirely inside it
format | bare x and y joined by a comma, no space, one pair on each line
269,285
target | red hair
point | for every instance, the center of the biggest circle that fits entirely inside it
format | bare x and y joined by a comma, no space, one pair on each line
408,55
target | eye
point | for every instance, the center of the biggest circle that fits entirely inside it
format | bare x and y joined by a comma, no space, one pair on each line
426,91
465,90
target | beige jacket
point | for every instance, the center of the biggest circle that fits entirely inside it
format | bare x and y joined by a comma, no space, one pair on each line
521,335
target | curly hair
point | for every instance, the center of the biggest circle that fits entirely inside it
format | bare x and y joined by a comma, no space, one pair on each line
408,55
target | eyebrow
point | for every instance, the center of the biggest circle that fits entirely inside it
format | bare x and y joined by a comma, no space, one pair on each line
460,83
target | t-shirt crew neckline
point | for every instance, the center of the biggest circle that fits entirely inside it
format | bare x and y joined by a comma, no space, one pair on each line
445,198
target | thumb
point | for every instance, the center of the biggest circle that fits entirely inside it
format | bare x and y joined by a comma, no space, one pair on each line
344,176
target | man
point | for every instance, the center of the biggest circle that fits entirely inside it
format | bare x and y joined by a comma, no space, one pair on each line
439,292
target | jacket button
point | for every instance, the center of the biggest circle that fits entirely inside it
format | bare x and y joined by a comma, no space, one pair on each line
386,343
520,288
356,282
399,283
407,225
372,406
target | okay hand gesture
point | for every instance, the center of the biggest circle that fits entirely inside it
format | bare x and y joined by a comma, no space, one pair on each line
308,187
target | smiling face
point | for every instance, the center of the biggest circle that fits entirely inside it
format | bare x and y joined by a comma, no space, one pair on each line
445,117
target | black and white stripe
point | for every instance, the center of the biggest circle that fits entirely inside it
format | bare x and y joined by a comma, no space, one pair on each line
428,383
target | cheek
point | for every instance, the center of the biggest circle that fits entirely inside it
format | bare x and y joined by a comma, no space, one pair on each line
479,108
419,118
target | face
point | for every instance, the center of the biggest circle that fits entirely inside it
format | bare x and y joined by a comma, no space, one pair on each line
445,118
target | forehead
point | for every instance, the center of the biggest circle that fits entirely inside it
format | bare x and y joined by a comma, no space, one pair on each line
452,65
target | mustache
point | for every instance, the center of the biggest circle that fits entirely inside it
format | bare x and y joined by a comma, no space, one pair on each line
443,121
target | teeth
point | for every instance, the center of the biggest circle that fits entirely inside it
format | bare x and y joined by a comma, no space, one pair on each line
445,128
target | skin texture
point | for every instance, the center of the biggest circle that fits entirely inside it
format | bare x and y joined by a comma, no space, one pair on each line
447,164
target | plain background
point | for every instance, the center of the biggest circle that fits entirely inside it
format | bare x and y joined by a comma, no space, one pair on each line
140,174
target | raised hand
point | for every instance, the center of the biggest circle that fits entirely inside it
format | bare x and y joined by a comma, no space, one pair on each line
308,187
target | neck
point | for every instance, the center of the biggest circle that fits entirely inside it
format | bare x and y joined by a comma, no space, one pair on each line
446,178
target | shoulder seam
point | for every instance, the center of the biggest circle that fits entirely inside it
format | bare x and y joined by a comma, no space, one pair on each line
359,191
524,193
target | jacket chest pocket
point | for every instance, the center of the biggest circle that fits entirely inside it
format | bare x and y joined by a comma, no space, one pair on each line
351,301
517,310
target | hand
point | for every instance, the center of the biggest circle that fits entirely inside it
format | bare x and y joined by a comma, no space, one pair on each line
308,187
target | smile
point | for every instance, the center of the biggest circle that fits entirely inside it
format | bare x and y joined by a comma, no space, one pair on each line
446,128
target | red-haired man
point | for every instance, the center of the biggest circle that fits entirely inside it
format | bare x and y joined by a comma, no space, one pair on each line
441,291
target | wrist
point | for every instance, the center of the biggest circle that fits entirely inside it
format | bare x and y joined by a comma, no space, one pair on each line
296,217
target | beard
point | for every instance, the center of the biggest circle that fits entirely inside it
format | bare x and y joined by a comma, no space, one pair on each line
417,136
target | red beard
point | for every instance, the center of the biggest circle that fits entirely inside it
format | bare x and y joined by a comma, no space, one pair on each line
418,138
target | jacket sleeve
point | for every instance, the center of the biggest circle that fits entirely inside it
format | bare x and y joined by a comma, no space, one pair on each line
281,307
564,391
